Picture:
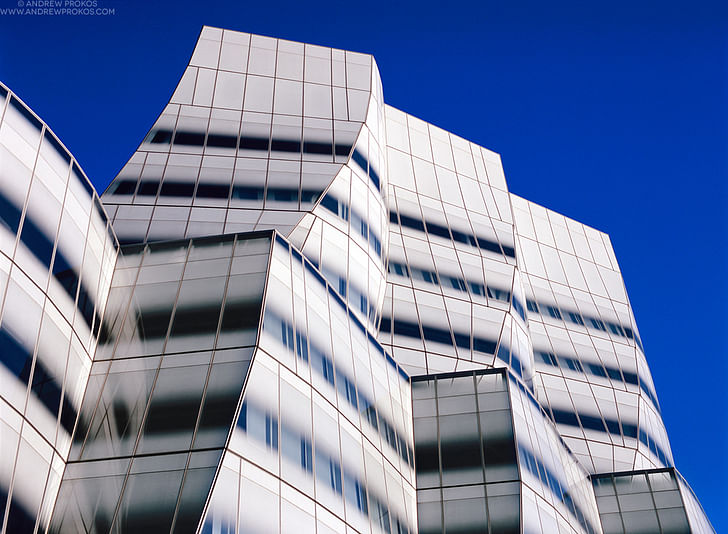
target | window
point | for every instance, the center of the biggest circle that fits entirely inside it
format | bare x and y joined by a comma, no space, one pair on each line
438,230
411,222
177,189
456,283
301,346
123,187
285,145
499,294
462,237
213,191
438,335
317,147
571,363
477,289
369,412
356,493
189,139
148,188
359,158
347,389
243,192
487,244
341,149
258,425
597,369
519,308
282,194
616,329
287,335
553,312
161,137
254,143
222,141
428,276
547,358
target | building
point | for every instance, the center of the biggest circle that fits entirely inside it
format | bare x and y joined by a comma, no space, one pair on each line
299,309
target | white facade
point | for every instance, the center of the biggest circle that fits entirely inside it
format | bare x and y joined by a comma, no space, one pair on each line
327,316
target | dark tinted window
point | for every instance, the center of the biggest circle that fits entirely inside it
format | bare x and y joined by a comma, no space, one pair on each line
148,188
222,141
9,214
341,149
436,229
161,136
360,160
212,191
286,145
317,147
122,187
254,143
244,192
553,312
177,189
189,138
282,194
486,244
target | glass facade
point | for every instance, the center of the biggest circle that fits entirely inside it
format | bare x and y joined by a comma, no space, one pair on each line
320,314
57,256
182,322
641,501
465,453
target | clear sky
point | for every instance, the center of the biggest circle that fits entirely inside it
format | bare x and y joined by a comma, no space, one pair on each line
613,113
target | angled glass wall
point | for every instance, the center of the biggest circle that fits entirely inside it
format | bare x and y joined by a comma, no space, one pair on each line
465,454
654,501
182,321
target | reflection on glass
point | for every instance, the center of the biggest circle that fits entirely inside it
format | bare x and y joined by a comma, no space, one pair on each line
160,392
464,449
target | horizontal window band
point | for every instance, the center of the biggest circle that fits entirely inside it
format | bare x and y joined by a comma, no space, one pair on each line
455,282
200,320
175,415
438,335
454,235
465,454
18,360
596,369
42,247
543,308
264,144
247,142
596,423
171,188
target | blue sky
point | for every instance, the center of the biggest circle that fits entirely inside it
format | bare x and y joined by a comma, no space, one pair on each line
613,114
